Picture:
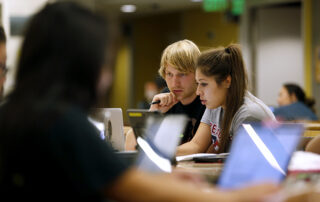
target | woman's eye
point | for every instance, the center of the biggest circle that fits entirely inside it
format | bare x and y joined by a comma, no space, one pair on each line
203,84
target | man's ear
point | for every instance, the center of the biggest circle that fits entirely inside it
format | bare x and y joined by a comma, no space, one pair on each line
227,82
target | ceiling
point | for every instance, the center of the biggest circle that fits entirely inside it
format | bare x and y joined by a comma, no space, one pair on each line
147,7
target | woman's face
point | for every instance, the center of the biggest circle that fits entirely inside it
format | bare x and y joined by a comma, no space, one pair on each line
211,94
284,98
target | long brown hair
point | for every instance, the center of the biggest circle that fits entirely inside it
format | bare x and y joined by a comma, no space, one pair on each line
220,63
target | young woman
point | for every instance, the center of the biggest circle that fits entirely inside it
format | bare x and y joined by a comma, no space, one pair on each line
49,151
222,87
293,104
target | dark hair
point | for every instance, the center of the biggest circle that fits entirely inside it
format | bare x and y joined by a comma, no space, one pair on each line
62,54
294,89
220,63
3,38
61,60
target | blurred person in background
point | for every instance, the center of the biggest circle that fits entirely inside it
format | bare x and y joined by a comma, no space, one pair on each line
293,104
3,59
151,88
49,151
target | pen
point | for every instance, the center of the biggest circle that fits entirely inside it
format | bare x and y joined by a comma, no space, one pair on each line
155,102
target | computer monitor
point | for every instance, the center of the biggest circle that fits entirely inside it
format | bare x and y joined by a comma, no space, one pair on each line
138,120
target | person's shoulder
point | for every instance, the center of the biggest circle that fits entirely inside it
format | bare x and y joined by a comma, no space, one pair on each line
213,112
252,103
255,108
71,120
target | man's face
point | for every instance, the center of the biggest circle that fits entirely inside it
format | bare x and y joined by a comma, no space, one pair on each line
182,85
3,58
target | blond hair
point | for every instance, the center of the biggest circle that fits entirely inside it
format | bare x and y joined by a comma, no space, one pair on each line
182,55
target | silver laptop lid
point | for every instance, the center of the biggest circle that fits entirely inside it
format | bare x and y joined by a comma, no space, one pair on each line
109,122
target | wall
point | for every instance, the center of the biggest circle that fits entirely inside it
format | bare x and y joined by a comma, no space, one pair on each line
119,93
279,51
315,45
150,37
209,29
266,83
19,8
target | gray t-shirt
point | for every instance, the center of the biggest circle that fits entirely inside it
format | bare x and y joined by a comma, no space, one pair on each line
252,110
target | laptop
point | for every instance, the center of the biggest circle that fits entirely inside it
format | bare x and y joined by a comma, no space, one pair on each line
260,153
157,147
138,120
109,122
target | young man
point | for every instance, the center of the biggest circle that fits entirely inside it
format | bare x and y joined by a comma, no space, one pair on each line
177,67
178,64
3,58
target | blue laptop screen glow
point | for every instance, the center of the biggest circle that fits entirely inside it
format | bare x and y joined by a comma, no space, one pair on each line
260,154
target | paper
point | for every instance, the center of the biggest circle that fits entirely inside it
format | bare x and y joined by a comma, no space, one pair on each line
192,156
306,161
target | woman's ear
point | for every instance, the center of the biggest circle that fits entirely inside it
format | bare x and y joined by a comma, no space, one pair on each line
227,82
293,98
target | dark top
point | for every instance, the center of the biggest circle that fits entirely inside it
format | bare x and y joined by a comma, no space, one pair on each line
194,110
68,161
294,111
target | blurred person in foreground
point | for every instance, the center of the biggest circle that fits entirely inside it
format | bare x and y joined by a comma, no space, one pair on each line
49,151
293,104
3,59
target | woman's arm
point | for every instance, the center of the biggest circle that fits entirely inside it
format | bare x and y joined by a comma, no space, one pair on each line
314,145
199,143
130,141
135,185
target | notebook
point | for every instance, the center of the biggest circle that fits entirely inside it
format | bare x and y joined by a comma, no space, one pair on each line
161,138
138,119
260,153
109,121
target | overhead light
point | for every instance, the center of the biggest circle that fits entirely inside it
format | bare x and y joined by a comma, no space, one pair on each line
128,8
196,0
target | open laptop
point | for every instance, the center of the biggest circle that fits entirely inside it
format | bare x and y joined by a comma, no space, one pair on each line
138,120
157,147
260,153
109,121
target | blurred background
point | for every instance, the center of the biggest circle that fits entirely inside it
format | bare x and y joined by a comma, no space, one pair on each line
280,40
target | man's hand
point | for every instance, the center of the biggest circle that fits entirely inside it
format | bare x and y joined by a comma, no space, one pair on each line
167,100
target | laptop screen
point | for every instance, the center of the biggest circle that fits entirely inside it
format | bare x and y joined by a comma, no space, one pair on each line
260,153
158,147
138,120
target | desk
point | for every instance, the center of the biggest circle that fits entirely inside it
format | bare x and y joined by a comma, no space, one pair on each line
210,170
297,187
312,129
